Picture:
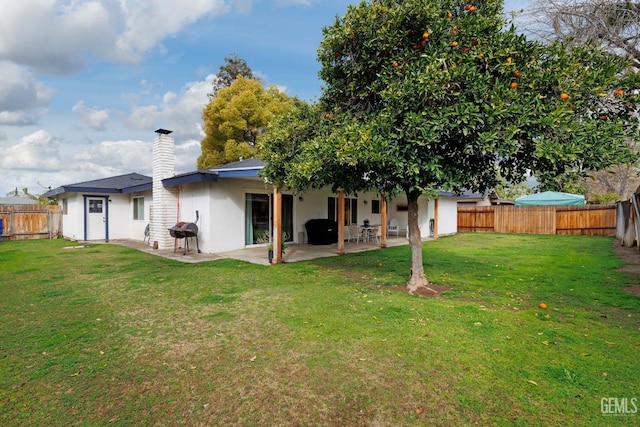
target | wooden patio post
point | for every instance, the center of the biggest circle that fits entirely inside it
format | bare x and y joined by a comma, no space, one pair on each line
383,220
340,222
276,239
435,218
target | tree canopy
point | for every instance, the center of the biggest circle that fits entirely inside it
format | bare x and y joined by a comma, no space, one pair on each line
430,95
615,26
233,67
235,117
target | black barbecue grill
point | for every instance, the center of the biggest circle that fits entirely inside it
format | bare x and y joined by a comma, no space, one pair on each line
185,230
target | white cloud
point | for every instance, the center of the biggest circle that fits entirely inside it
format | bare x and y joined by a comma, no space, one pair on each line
119,156
95,118
57,36
180,112
38,151
147,22
52,35
187,153
22,98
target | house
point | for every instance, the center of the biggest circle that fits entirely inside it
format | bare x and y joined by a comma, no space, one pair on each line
488,198
17,200
230,204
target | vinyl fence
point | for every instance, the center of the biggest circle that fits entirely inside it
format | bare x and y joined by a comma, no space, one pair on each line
595,220
22,222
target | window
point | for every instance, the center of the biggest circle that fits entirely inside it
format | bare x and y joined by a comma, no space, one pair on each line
65,207
138,208
375,206
95,206
350,210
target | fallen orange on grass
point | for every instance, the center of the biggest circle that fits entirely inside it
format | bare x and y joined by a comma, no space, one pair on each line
542,305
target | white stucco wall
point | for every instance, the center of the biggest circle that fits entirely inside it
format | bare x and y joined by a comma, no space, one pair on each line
447,216
221,208
72,221
120,215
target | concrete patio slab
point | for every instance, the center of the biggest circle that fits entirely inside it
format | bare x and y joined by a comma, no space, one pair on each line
258,254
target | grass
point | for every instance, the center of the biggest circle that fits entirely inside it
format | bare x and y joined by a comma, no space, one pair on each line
105,335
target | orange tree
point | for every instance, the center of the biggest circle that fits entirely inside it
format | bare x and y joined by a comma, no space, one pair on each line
429,95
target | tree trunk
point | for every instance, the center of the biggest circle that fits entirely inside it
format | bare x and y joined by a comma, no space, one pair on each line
417,279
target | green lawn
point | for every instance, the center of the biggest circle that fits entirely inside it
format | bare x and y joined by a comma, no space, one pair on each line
105,335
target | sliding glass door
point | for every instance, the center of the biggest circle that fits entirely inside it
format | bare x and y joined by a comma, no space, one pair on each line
259,217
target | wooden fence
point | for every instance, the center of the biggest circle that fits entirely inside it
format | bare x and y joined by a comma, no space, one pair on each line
22,222
628,226
595,220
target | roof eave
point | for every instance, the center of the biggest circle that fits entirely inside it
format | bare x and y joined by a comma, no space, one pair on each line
190,178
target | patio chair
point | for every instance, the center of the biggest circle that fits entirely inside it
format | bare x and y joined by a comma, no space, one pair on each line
393,227
373,233
354,233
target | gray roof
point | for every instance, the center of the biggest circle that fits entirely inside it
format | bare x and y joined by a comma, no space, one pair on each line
239,165
127,183
17,200
248,168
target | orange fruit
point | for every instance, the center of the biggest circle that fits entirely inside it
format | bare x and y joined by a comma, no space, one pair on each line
618,92
454,44
542,305
508,60
449,15
327,116
395,64
564,96
471,9
516,73
419,411
425,35
513,85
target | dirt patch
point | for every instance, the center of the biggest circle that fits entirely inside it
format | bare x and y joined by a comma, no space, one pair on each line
423,292
633,290
631,258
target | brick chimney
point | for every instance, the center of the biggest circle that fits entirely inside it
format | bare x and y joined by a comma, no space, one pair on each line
163,214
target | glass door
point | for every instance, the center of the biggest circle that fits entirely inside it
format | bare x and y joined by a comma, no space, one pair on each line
259,217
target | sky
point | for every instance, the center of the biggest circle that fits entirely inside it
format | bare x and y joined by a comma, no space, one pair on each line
84,83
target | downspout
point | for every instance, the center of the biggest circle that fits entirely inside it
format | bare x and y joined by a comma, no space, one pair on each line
178,204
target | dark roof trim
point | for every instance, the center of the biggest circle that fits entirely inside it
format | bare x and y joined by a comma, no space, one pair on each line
239,173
